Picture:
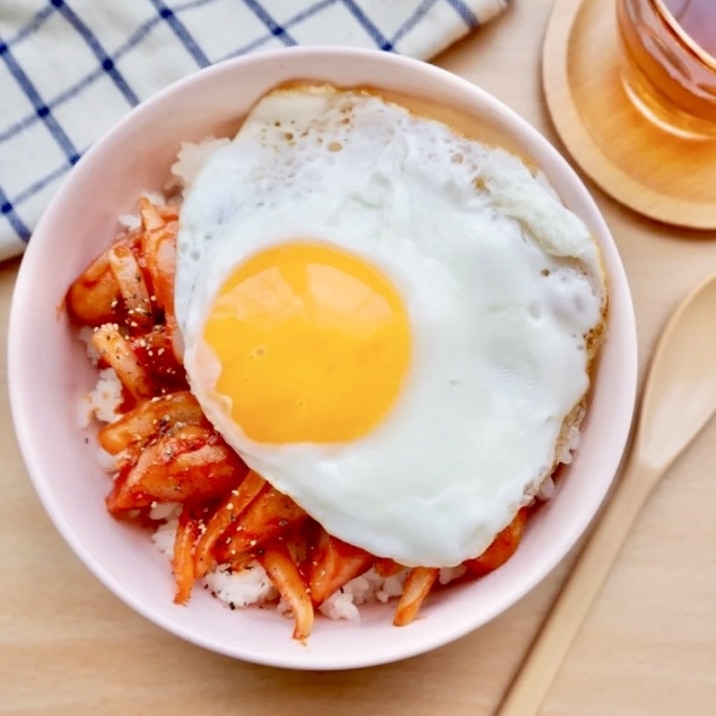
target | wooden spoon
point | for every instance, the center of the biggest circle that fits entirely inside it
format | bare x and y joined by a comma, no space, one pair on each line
679,398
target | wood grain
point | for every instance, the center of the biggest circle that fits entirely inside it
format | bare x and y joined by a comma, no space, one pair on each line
648,647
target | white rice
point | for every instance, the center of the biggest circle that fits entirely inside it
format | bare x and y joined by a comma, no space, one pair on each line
448,574
106,461
369,588
548,488
132,221
103,401
342,605
163,537
241,589
164,511
85,335
570,446
190,159
252,586
237,589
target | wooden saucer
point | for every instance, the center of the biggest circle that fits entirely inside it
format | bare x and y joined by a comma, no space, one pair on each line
656,173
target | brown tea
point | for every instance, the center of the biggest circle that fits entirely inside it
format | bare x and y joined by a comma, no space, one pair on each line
669,61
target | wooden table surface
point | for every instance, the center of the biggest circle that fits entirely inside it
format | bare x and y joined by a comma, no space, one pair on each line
648,648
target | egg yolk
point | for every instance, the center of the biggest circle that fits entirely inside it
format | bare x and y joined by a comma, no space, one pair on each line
313,344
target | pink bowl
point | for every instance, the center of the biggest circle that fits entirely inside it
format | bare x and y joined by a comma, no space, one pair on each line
47,369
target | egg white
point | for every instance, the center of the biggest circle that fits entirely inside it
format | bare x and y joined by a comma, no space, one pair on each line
500,281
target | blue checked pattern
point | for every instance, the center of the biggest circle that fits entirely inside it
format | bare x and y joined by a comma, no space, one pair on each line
69,69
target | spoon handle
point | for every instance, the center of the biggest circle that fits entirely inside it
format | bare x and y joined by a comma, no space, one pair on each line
530,686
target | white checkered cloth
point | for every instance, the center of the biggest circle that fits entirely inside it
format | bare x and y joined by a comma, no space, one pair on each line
69,69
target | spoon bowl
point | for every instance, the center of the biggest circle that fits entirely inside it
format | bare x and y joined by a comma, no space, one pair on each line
680,394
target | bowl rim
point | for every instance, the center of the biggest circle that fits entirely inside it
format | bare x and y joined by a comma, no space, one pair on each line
22,412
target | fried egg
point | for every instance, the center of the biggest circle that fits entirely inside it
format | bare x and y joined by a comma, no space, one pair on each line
387,320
